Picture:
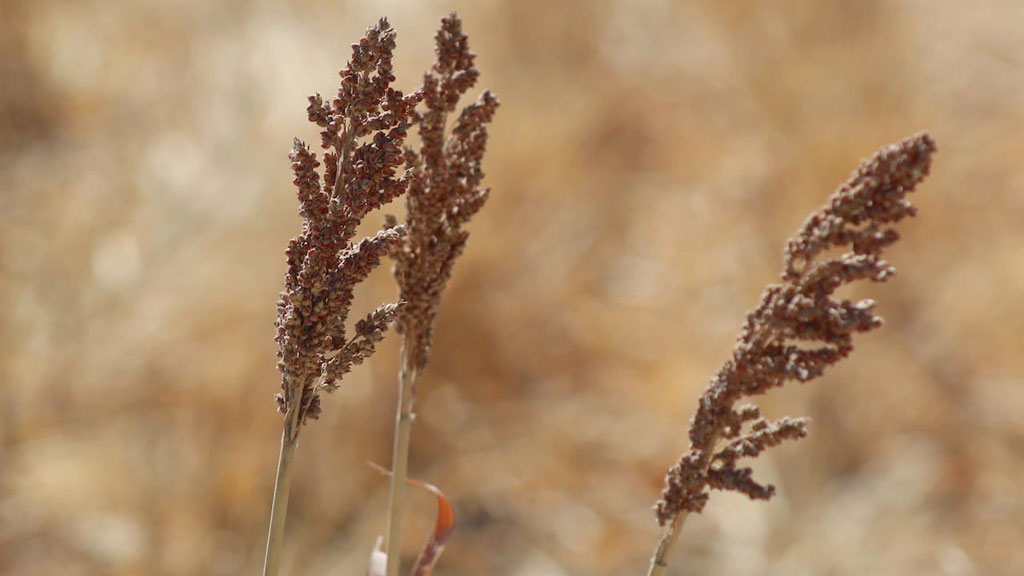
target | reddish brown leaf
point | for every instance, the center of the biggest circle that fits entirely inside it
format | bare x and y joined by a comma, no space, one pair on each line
444,526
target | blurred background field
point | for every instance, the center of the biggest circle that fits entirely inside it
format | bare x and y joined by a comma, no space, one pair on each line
648,162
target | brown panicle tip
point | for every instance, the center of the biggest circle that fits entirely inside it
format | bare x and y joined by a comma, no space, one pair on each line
363,135
799,328
445,188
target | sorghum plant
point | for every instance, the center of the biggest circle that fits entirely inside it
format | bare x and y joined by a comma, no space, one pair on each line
363,130
797,330
444,193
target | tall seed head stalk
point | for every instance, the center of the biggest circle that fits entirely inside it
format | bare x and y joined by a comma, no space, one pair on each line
797,331
363,130
444,193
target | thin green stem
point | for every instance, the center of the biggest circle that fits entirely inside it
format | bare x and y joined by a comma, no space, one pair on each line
404,416
659,561
282,486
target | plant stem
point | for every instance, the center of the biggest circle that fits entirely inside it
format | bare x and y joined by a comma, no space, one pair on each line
404,416
279,506
659,561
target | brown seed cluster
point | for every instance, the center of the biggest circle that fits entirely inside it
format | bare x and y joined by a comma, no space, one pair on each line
799,328
363,131
445,188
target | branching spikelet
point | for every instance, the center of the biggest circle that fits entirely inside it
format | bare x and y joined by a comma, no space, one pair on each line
363,132
444,192
778,341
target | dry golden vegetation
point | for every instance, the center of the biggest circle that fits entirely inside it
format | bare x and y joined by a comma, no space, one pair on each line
649,160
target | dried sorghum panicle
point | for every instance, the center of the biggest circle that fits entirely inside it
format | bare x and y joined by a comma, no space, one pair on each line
363,132
445,187
799,328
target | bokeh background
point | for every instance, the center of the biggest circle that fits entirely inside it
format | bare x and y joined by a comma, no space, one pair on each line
648,162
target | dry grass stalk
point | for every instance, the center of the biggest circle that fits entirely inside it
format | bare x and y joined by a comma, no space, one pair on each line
364,128
444,193
796,331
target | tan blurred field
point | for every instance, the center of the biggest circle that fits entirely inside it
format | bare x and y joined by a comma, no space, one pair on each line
648,162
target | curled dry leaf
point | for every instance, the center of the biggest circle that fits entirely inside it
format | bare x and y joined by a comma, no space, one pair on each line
444,526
